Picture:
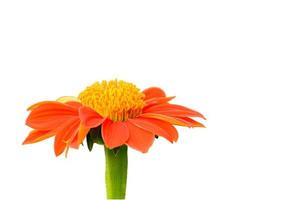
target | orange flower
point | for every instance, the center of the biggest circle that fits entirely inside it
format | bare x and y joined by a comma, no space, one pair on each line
127,116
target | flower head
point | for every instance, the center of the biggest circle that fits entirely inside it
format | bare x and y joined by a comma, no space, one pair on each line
126,115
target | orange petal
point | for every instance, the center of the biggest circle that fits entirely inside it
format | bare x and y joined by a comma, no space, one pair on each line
114,134
193,122
153,92
158,100
169,128
50,105
171,120
72,141
162,129
83,131
74,144
89,117
37,135
48,116
139,139
74,104
38,104
50,122
173,110
64,135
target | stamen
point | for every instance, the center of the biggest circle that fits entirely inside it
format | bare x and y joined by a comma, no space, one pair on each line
117,100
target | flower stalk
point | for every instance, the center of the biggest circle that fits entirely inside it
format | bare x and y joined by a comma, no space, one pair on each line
116,172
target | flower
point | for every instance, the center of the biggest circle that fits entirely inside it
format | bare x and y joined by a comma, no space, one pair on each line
126,116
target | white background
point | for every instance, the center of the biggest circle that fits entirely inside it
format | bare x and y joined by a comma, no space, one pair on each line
235,61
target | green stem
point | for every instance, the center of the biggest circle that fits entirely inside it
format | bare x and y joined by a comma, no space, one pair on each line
116,172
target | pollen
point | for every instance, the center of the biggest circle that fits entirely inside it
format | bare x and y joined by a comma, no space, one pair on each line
115,99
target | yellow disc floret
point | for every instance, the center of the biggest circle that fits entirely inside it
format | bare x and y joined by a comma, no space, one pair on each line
117,100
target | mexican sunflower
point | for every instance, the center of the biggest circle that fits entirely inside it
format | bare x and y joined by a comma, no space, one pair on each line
119,115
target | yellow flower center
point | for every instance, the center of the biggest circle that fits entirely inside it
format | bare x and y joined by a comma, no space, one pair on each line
117,100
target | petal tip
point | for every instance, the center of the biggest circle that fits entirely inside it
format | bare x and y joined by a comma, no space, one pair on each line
57,153
25,142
